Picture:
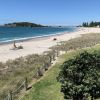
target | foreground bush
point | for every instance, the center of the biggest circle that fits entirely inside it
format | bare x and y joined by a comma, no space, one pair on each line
80,76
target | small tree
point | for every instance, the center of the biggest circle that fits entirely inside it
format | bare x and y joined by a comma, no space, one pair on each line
80,76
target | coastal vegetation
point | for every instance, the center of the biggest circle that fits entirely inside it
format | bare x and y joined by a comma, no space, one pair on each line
23,24
48,86
14,71
87,40
91,24
80,76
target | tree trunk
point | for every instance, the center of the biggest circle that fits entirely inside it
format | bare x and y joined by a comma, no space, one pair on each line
78,97
92,98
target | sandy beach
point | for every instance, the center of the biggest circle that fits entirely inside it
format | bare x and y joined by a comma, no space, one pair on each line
40,45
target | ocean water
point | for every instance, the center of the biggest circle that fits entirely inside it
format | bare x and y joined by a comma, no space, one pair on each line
8,34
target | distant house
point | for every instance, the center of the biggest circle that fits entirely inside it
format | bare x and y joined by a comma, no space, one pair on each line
98,26
10,25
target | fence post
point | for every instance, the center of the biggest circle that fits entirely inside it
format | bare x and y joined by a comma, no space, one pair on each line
10,95
46,66
50,59
54,56
57,53
40,72
26,83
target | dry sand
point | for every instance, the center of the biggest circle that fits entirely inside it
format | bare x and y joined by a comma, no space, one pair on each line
40,45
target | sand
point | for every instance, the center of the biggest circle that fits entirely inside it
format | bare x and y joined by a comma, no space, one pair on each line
40,45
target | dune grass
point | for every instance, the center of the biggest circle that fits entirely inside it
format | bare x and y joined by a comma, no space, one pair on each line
17,70
87,40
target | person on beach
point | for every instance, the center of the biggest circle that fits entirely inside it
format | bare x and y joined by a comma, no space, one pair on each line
14,45
54,39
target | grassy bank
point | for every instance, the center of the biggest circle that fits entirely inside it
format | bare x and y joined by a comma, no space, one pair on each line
48,88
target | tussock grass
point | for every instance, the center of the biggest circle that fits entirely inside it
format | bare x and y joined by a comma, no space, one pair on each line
18,69
87,40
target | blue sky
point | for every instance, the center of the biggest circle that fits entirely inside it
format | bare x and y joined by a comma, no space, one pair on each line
50,12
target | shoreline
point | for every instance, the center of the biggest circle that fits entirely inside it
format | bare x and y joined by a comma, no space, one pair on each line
31,38
26,38
41,44
35,37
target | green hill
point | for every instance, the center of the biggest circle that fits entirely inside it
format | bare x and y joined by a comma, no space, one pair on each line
23,24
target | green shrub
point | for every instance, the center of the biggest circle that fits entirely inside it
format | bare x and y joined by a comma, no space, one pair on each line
80,76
